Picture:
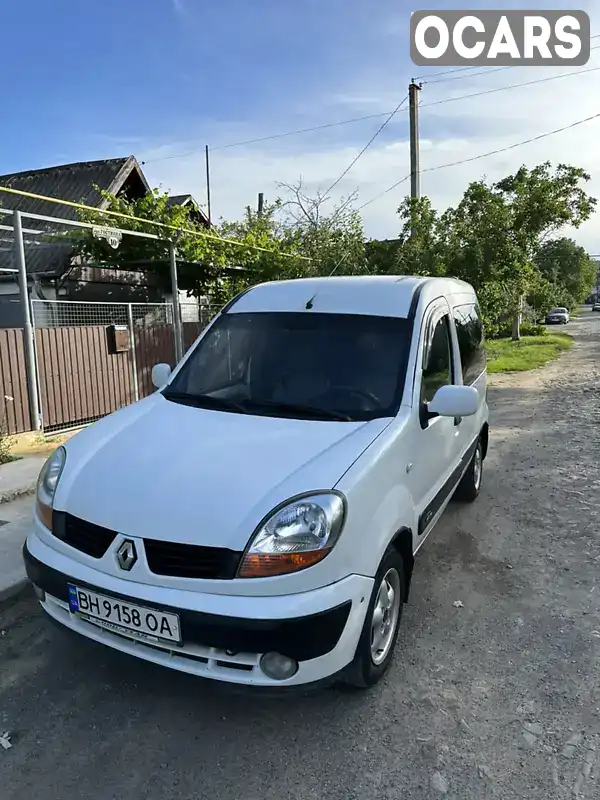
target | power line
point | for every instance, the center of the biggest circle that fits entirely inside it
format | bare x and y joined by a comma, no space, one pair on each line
367,117
510,86
513,146
465,69
273,136
385,191
368,144
470,75
486,71
484,155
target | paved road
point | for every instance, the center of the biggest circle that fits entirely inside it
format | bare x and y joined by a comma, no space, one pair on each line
498,698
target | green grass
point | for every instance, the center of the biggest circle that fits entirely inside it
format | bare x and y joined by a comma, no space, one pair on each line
531,352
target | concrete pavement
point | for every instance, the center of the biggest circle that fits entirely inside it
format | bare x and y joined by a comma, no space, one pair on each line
19,478
17,485
15,521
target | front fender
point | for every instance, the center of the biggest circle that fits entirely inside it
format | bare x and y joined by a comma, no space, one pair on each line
379,504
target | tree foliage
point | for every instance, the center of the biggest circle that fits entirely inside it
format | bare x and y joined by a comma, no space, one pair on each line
567,266
333,241
504,238
292,237
498,239
135,252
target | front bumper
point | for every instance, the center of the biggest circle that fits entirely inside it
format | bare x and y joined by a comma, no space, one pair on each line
319,629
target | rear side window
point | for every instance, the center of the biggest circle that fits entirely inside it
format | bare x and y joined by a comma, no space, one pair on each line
469,328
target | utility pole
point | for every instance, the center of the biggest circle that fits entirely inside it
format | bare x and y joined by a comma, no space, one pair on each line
208,185
413,101
261,203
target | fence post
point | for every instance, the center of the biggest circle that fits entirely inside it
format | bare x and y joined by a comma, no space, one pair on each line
176,306
19,254
134,375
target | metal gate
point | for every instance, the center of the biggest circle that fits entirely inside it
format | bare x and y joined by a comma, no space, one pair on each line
94,358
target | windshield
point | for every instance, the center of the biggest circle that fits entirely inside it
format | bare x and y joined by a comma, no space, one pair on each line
301,365
559,311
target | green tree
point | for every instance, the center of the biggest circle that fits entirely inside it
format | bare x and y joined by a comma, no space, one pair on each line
542,296
422,241
333,241
381,256
292,237
254,245
494,238
563,263
542,202
200,256
278,257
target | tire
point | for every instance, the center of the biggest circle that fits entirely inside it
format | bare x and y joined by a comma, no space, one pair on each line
368,667
468,489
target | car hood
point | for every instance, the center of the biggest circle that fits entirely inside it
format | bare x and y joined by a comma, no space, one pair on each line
172,472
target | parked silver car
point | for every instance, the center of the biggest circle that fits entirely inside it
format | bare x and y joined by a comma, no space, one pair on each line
557,316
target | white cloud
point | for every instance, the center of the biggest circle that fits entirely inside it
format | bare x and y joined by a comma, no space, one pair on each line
450,132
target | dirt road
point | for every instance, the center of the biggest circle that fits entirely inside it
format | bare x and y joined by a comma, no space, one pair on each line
496,698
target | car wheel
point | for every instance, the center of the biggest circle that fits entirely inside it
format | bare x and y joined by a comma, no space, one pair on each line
375,650
467,490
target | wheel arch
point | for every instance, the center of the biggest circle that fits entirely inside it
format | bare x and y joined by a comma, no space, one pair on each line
485,439
402,542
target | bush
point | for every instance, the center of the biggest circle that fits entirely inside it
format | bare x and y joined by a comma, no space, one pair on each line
503,330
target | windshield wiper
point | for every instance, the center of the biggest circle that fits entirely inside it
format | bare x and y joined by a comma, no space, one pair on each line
204,401
311,411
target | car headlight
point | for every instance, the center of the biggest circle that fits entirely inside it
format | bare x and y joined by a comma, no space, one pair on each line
47,483
294,536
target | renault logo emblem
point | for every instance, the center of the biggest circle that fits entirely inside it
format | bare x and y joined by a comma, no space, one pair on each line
126,555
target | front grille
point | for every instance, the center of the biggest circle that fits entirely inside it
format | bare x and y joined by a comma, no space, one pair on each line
81,534
190,560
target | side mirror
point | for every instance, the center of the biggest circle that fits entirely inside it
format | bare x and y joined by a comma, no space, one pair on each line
454,401
160,375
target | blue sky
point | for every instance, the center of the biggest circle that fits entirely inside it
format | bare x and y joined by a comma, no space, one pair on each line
126,70
102,78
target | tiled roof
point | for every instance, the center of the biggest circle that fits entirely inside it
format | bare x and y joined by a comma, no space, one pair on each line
188,199
180,199
73,182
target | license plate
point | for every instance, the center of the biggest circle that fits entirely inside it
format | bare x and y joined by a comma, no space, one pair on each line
125,618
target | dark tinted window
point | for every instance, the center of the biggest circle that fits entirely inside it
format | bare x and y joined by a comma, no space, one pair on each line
348,364
469,329
437,360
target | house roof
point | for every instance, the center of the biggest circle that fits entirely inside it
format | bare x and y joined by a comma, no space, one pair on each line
73,182
188,200
180,200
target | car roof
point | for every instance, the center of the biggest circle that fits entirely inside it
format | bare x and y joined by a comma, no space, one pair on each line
377,295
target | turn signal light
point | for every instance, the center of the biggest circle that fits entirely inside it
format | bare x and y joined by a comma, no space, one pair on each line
44,513
261,565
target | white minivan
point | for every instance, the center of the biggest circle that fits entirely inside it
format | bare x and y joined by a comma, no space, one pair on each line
255,520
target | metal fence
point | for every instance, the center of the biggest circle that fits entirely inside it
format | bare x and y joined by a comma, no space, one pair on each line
68,361
94,358
90,359
15,415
